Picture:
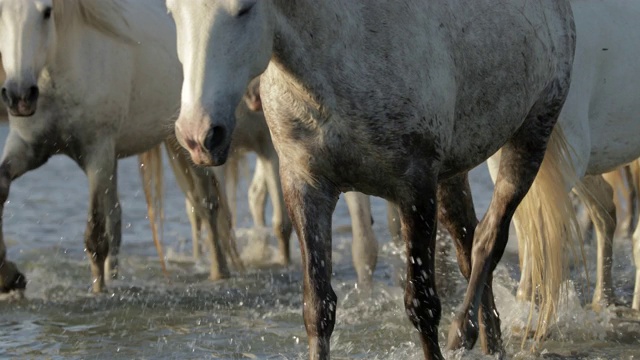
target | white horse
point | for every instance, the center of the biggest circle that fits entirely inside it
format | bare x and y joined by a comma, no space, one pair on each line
252,134
600,122
391,98
88,79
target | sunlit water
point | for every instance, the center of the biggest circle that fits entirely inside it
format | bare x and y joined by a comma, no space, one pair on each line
256,315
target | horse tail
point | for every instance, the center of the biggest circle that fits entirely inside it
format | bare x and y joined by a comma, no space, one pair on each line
546,222
152,183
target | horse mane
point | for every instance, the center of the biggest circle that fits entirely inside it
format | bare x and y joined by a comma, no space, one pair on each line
105,16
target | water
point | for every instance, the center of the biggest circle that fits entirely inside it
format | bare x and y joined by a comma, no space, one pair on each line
252,316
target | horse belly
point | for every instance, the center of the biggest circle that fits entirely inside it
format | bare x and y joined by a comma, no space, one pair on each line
607,75
614,142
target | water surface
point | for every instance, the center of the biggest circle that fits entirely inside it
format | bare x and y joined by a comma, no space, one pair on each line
256,315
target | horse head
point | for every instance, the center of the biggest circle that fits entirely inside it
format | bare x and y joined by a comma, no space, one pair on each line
217,65
28,35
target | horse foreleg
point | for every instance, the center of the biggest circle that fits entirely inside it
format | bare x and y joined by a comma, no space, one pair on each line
598,197
196,227
199,187
281,222
18,158
311,208
104,231
418,218
258,194
364,246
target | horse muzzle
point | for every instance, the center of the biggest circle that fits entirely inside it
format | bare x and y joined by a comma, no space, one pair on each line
212,149
21,102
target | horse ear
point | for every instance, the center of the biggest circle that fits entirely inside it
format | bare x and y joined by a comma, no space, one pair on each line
252,96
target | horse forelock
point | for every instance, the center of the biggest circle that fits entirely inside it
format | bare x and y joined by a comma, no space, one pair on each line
105,16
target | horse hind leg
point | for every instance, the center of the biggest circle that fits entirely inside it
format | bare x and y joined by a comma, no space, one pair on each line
598,196
418,217
457,214
520,161
523,292
364,245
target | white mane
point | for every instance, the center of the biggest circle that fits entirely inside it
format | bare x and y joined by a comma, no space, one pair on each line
105,16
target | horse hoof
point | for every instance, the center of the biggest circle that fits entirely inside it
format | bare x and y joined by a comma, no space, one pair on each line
11,279
460,336
219,276
111,268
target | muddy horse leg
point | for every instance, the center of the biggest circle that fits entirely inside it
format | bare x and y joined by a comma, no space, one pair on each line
310,209
597,196
258,195
520,161
104,231
18,158
198,186
196,227
393,222
364,245
418,218
457,214
280,221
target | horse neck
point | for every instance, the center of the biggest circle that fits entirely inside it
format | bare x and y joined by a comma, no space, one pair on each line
293,25
296,35
74,45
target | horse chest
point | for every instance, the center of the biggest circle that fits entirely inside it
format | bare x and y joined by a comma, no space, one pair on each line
349,154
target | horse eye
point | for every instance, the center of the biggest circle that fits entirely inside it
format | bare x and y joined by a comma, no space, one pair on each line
47,13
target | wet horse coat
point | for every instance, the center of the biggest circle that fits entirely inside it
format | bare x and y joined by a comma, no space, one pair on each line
394,99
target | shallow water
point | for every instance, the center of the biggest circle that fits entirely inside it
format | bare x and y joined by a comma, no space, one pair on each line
256,315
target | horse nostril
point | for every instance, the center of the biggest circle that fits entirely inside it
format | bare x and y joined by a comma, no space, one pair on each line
5,97
215,136
32,94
